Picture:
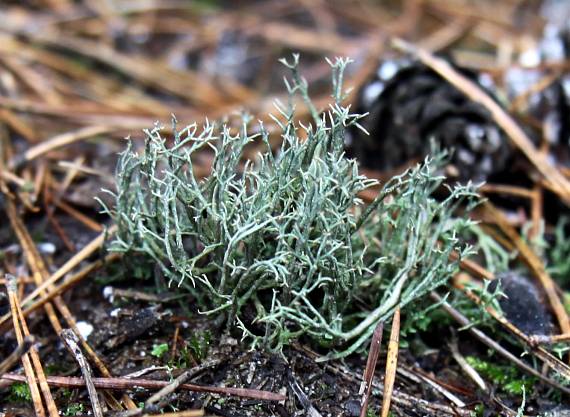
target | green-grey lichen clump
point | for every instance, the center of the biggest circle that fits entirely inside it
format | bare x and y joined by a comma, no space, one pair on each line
281,246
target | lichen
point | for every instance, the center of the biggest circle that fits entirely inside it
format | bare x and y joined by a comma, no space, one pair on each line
282,246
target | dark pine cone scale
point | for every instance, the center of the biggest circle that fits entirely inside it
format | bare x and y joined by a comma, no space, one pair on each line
408,105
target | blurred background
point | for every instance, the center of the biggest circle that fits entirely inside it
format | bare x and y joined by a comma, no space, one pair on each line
110,68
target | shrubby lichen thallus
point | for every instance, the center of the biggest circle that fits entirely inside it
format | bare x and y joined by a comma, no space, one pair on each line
285,238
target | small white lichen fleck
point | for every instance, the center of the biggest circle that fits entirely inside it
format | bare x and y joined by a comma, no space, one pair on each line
85,329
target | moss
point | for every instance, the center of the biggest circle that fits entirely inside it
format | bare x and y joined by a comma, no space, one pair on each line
508,379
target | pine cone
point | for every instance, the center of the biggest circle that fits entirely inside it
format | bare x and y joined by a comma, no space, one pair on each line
409,104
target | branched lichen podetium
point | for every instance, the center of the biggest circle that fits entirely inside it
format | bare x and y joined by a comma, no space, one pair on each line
283,237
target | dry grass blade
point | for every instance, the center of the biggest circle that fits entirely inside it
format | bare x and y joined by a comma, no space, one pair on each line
468,369
547,340
42,280
506,189
69,283
18,125
21,329
520,101
36,362
437,386
76,214
366,387
501,117
71,341
391,363
33,258
75,260
30,377
63,140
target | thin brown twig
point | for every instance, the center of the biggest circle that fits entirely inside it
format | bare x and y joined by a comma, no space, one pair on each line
185,413
141,412
76,214
32,257
169,389
128,383
75,260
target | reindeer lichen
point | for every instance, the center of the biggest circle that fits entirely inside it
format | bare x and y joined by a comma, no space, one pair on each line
282,246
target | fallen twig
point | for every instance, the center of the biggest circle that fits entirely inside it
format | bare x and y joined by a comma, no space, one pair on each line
131,383
169,389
